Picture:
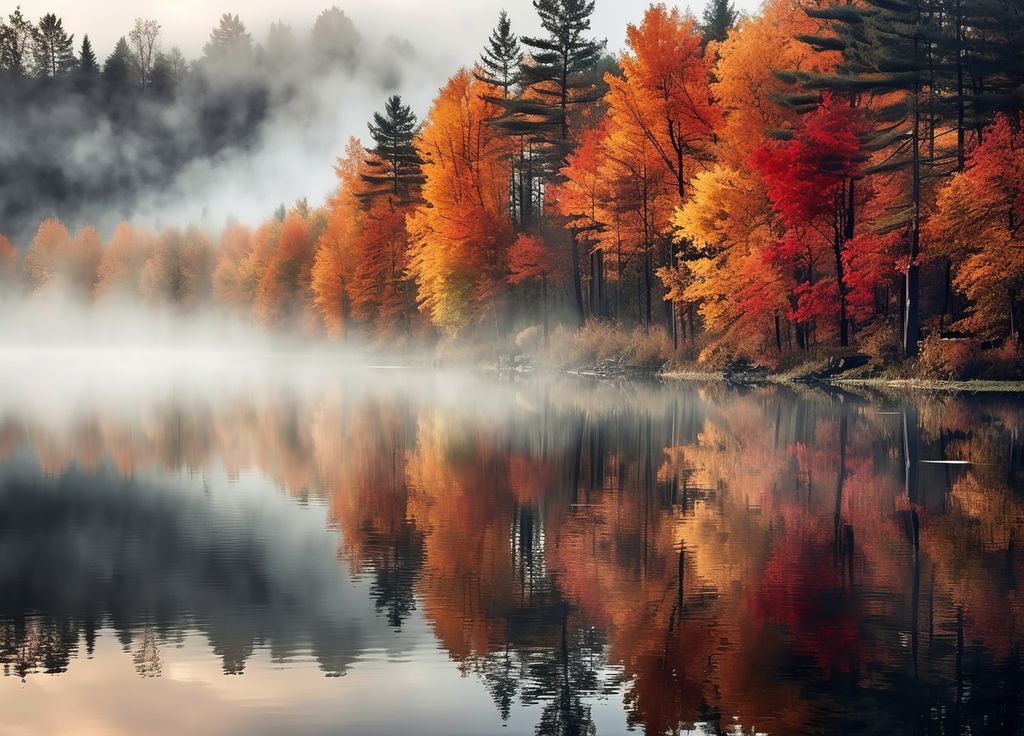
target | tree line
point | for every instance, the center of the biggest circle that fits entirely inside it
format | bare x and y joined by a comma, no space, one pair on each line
811,175
90,133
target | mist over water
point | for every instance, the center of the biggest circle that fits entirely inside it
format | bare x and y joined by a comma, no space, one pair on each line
545,556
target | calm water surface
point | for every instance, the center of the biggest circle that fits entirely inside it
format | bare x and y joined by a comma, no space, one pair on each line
242,549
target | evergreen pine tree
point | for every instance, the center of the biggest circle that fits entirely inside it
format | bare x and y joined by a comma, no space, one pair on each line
162,79
558,74
502,57
719,17
87,63
117,69
53,53
334,40
396,168
229,39
984,39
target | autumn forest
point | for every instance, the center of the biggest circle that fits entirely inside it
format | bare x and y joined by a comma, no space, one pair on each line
810,177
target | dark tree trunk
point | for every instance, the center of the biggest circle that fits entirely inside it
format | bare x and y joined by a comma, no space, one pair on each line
544,305
577,281
911,319
647,289
597,284
844,323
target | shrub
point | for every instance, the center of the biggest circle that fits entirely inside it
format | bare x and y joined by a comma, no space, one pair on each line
882,343
950,359
1004,363
598,341
650,347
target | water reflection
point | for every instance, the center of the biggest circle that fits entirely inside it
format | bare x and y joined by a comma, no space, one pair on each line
587,557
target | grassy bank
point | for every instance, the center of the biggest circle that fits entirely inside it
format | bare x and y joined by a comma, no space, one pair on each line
943,364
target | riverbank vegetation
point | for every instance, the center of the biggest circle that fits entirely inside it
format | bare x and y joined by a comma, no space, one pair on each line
811,180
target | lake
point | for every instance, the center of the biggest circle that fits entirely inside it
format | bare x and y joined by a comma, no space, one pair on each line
243,546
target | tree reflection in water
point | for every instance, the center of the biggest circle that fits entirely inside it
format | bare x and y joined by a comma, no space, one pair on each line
714,557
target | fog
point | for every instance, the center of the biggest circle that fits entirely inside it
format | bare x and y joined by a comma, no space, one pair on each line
451,27
231,139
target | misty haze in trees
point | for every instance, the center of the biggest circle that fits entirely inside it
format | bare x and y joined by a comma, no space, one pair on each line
82,134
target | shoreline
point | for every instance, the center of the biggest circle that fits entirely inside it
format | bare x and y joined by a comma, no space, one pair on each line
911,384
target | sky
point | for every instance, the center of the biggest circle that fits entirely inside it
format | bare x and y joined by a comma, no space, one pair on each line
453,29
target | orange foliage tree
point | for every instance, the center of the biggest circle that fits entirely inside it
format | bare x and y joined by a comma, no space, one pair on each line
120,268
664,90
282,287
179,270
380,292
727,221
979,225
335,260
86,254
8,261
530,259
460,235
49,254
228,286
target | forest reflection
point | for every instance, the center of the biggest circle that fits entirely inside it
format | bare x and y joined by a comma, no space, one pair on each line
713,557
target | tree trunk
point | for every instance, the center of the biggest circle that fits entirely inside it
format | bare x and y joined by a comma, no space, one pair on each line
960,143
577,284
647,289
1016,323
911,320
597,284
844,324
544,305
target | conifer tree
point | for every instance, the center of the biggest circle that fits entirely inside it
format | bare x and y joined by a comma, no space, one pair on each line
558,75
117,69
87,63
229,39
53,52
396,166
502,57
718,18
335,40
162,79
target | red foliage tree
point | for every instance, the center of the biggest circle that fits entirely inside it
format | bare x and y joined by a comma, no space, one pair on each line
809,179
